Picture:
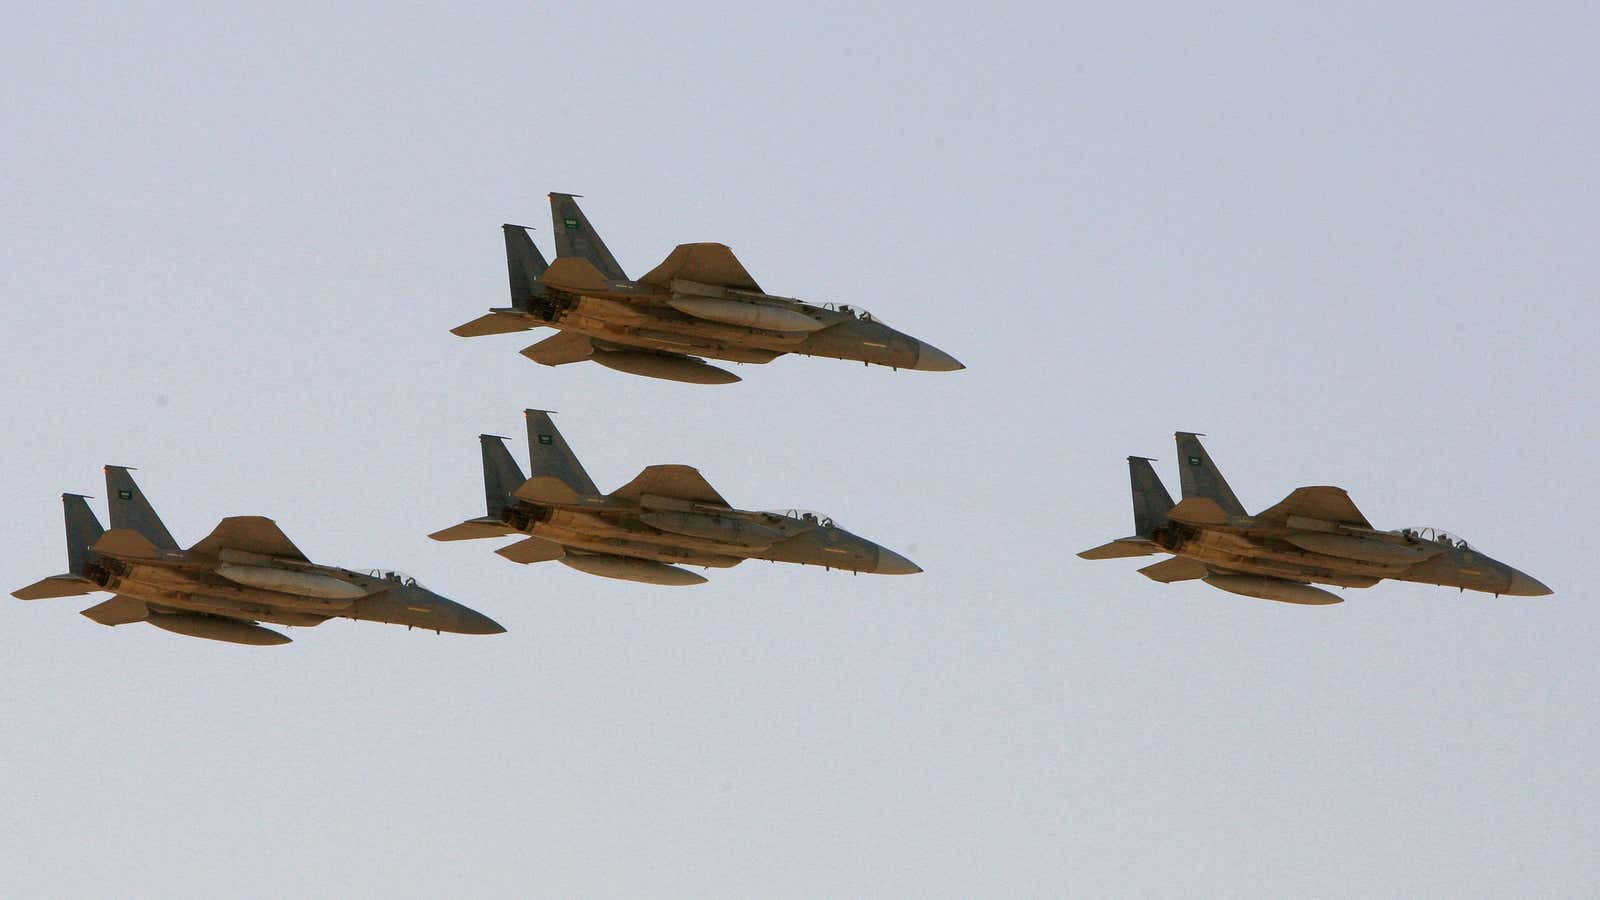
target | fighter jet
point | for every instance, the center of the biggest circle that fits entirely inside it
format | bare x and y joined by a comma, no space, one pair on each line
246,571
668,514
700,302
1314,536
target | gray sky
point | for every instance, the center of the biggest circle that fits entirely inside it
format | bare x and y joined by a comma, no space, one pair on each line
1355,246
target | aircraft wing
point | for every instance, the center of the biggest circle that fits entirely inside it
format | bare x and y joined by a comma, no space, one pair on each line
566,347
678,482
493,323
532,550
1178,568
712,264
473,529
1120,548
575,275
1329,504
1198,511
251,534
119,610
56,586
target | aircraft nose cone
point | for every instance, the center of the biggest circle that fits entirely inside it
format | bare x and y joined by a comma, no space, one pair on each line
1523,585
932,359
470,621
892,563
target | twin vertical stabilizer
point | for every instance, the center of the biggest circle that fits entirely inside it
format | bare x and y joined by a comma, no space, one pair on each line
1199,477
575,237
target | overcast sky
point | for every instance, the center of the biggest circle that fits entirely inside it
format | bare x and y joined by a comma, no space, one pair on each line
1354,246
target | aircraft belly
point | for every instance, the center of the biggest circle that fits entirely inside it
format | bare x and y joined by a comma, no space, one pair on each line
234,609
660,327
1258,564
1238,550
171,586
715,530
645,545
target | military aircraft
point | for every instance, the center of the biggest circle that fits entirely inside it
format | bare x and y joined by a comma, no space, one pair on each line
246,571
668,514
699,302
1314,536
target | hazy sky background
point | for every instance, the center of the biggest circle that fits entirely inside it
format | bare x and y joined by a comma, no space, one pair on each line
1354,245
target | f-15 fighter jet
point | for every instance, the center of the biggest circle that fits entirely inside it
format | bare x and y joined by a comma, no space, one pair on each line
668,514
700,302
246,571
1314,536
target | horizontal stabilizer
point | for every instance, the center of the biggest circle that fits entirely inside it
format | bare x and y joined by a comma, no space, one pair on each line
125,542
712,264
119,610
677,482
532,550
494,323
1327,504
1198,511
1178,568
575,276
56,586
250,534
566,347
1120,548
473,529
546,490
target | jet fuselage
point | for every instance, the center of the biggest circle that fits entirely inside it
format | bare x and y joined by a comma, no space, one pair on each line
177,583
670,532
635,315
1272,551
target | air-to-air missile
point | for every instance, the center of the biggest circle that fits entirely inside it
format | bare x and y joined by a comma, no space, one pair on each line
1314,536
246,571
666,517
700,302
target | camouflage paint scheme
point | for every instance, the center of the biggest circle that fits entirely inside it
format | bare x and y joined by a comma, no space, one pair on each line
700,302
246,571
668,514
1314,536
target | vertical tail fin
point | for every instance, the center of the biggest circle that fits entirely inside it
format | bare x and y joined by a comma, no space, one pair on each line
83,529
1199,475
1151,502
548,454
501,474
130,509
524,264
576,237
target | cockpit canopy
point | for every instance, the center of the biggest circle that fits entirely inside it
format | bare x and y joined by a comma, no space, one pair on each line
1437,535
805,515
854,312
396,577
